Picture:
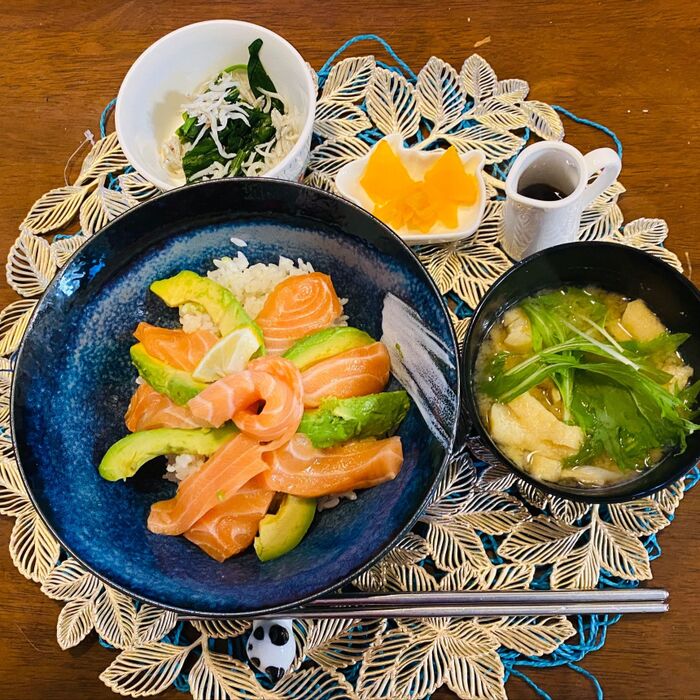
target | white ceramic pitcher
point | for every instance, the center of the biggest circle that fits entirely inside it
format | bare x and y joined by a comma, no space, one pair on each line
533,224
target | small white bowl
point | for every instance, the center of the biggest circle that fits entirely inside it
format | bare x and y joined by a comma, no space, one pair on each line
158,83
417,163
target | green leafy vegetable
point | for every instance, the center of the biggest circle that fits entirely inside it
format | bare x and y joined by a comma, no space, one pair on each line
551,316
626,416
236,137
558,361
689,396
188,130
201,157
505,384
237,162
610,417
257,75
664,344
233,95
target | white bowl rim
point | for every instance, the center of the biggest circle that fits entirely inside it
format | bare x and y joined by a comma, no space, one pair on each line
264,31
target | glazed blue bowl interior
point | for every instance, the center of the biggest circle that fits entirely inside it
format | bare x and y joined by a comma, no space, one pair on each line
74,379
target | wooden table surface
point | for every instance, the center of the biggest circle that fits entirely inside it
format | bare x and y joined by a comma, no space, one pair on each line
630,65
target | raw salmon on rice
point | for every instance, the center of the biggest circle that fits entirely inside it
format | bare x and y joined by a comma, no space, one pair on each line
220,477
231,526
298,468
175,347
271,381
219,505
296,307
148,409
356,372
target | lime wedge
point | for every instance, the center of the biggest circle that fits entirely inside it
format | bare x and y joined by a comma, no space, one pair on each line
231,354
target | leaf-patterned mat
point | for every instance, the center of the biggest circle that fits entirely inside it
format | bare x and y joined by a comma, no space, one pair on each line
485,529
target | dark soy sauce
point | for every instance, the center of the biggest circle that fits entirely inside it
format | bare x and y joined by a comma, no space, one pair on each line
543,192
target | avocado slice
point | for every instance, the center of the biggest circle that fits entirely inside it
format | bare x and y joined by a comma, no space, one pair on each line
223,307
124,458
280,532
176,384
340,420
325,343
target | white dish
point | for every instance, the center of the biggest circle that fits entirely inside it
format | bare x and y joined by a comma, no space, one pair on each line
151,95
417,163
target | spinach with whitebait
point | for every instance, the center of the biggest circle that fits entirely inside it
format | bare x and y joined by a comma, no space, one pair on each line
238,125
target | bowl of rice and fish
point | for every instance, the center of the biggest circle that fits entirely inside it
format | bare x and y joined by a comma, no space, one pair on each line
260,362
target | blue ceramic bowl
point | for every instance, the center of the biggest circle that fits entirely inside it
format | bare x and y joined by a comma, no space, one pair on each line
73,381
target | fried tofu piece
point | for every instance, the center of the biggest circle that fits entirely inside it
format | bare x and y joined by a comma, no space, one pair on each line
525,424
506,429
641,322
544,468
518,331
618,331
680,374
594,476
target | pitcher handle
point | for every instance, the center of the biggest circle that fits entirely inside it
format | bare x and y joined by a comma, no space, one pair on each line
609,164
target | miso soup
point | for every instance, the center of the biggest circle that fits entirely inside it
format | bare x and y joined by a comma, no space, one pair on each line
584,386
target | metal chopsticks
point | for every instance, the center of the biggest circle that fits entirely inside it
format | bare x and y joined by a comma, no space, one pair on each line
482,604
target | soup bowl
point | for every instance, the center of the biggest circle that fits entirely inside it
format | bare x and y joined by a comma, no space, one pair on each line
615,268
73,381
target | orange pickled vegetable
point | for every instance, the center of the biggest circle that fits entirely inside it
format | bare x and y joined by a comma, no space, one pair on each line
402,202
386,178
448,180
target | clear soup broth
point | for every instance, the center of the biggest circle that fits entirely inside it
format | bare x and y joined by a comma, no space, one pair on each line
584,387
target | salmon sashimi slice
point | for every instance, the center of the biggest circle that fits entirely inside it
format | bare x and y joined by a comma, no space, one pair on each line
296,307
270,380
149,409
219,478
175,347
275,422
230,526
356,372
300,469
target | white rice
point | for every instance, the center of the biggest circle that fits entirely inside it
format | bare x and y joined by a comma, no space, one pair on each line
328,502
251,284
194,318
179,467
